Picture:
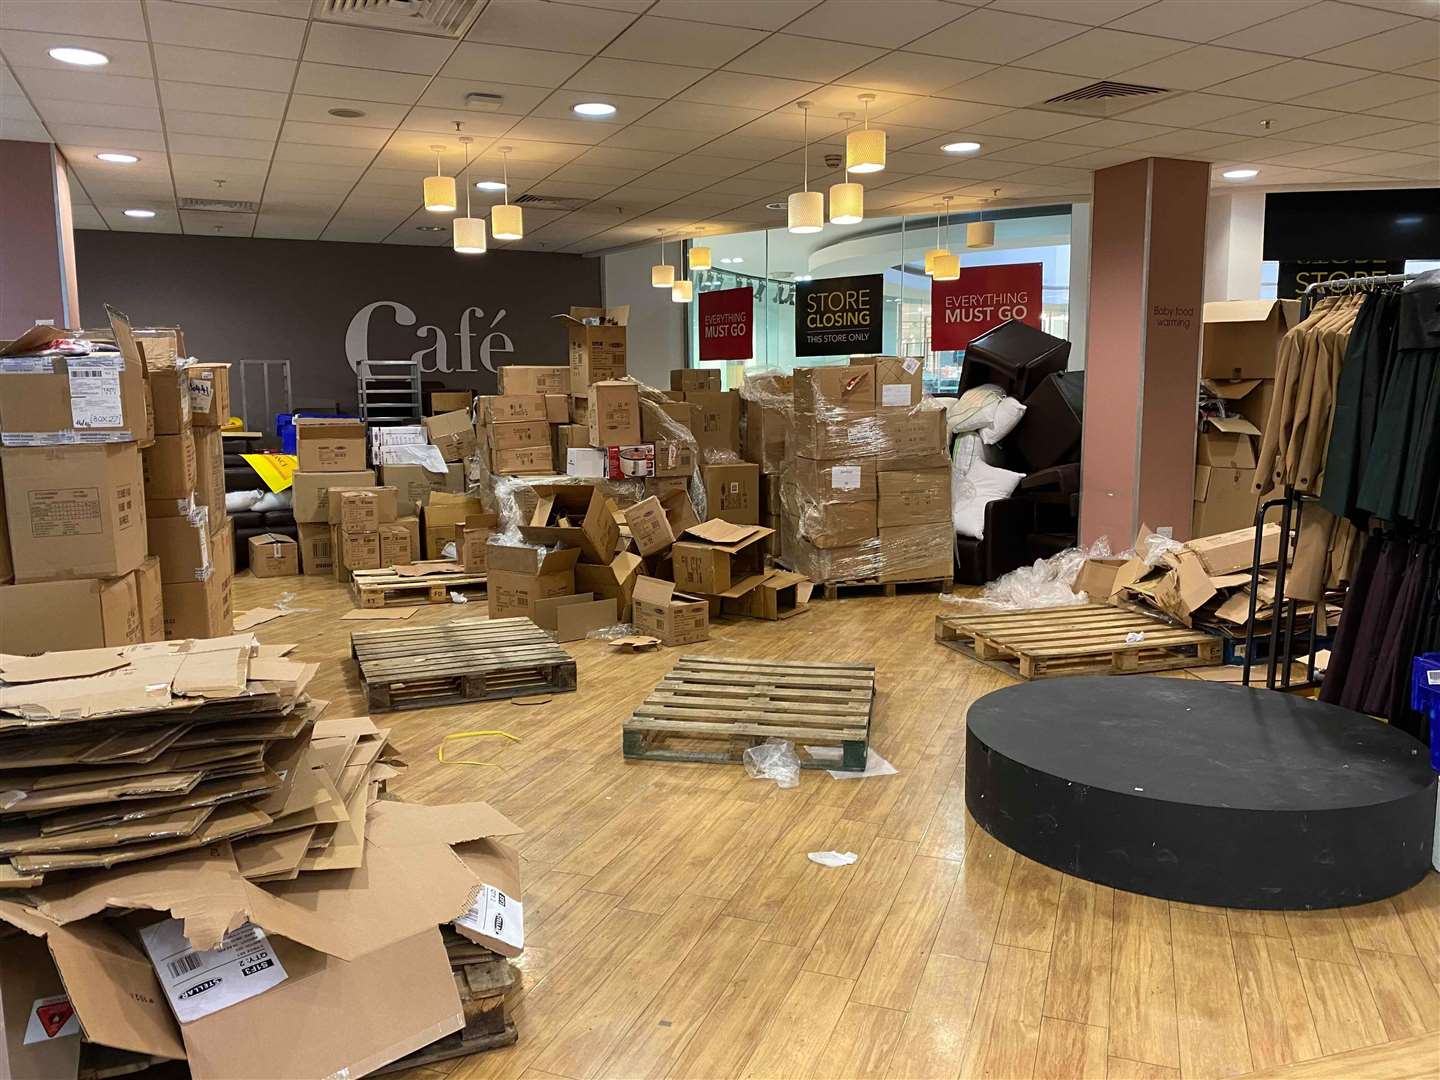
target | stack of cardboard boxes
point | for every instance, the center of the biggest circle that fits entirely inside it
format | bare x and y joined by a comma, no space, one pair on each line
330,453
1239,345
82,428
867,491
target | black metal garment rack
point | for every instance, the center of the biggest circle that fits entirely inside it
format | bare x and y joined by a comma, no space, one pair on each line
1291,504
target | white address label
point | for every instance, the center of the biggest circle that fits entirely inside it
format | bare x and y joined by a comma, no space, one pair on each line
845,477
895,394
496,915
95,393
1432,678
199,982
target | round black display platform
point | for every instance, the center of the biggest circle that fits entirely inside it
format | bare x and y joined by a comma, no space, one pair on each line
1201,792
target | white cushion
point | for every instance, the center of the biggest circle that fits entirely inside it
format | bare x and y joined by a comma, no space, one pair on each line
974,484
1008,415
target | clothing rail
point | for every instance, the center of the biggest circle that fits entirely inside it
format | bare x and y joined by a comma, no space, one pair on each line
1291,503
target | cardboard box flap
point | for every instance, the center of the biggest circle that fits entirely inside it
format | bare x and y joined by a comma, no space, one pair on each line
1203,473
649,590
1230,389
1234,311
35,340
402,824
558,561
1231,425
617,316
745,585
72,664
725,534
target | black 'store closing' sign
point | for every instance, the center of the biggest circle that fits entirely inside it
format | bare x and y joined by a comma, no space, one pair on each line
838,316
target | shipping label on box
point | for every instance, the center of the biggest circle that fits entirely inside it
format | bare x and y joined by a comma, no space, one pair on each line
209,394
674,458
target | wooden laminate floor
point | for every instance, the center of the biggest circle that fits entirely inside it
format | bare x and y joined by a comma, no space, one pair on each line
674,926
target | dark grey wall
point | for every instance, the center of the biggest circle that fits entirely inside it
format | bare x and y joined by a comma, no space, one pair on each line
304,301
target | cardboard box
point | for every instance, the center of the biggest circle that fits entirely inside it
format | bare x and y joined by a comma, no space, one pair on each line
82,613
614,416
732,492
649,526
913,498
570,618
209,395
572,437
414,483
909,434
1224,500
395,545
717,419
719,558
614,580
523,461
411,524
765,428
311,499
580,413
839,434
475,536
168,465
666,419
674,459
273,555
148,588
198,609
836,524
687,379
1234,551
170,398
368,506
7,563
782,594
356,550
531,379
819,389
1227,443
442,519
557,408
597,346
329,444
517,577
674,618
514,434
575,515
1241,338
55,400
917,552
74,511
317,553
848,480
222,546
899,381
513,407
448,401
209,470
183,546
453,433
1096,578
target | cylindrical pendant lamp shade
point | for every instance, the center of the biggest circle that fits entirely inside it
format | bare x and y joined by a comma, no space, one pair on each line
700,258
469,238
807,211
682,292
980,234
440,194
946,268
662,276
865,150
847,204
507,222
930,257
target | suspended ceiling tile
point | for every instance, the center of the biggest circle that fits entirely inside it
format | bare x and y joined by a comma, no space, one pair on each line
913,73
1015,86
944,113
981,168
607,75
621,157
1189,110
380,50
179,121
223,100
1319,157
355,156
996,37
124,140
1347,129
359,84
244,32
1038,153
756,14
1290,81
115,19
219,146
1375,91
662,40
1099,54
1031,124
184,63
1090,12
333,134
536,24
506,64
694,116
311,109
45,85
1204,20
1181,143
667,140
1327,25
87,217
207,222
1388,51
581,132
1279,118
1196,68
891,24
480,125
134,117
746,91
31,49
804,57
1404,138
559,105
515,101
1427,9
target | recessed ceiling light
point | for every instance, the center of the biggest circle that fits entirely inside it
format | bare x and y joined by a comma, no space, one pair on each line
118,159
593,108
489,185
774,206
737,259
67,54
346,114
960,147
804,277
429,228
140,213
1240,174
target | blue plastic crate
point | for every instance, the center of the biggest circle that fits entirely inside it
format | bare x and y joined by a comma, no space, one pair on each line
285,427
1425,698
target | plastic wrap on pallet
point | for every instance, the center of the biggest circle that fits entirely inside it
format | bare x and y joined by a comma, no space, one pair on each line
1045,583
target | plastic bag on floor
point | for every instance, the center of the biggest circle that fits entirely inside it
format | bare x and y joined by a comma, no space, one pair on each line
1044,583
775,760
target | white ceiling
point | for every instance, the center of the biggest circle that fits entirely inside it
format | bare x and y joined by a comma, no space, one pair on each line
707,132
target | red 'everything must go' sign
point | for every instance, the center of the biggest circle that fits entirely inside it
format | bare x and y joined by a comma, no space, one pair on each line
981,299
727,319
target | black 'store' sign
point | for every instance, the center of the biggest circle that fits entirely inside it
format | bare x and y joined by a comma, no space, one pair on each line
838,316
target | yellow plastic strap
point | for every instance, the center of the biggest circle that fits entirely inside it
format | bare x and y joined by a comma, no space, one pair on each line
440,752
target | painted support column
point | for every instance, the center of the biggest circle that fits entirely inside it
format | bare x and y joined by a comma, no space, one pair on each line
37,239
1142,357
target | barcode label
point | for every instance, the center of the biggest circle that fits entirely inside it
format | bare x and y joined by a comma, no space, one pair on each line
95,392
184,965
496,915
199,982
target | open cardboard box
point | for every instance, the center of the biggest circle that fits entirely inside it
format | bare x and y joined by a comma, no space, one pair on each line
718,558
780,595
575,515
1186,580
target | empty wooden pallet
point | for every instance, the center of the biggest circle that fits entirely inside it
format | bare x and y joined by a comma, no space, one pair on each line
712,709
416,667
1088,639
382,588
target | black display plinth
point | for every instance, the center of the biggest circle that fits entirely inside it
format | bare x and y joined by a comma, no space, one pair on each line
1201,792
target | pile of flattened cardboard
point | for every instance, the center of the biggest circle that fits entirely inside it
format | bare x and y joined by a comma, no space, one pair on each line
161,805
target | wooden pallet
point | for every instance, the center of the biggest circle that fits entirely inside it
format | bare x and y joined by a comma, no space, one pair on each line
384,588
1088,639
833,589
417,667
713,708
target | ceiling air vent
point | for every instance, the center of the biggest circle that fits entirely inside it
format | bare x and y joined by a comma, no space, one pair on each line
550,202
1106,98
441,18
221,206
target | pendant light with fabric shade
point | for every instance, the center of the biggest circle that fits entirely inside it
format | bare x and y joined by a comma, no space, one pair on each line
507,222
847,200
682,292
931,256
865,149
700,257
946,267
981,234
806,208
469,232
439,189
662,274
